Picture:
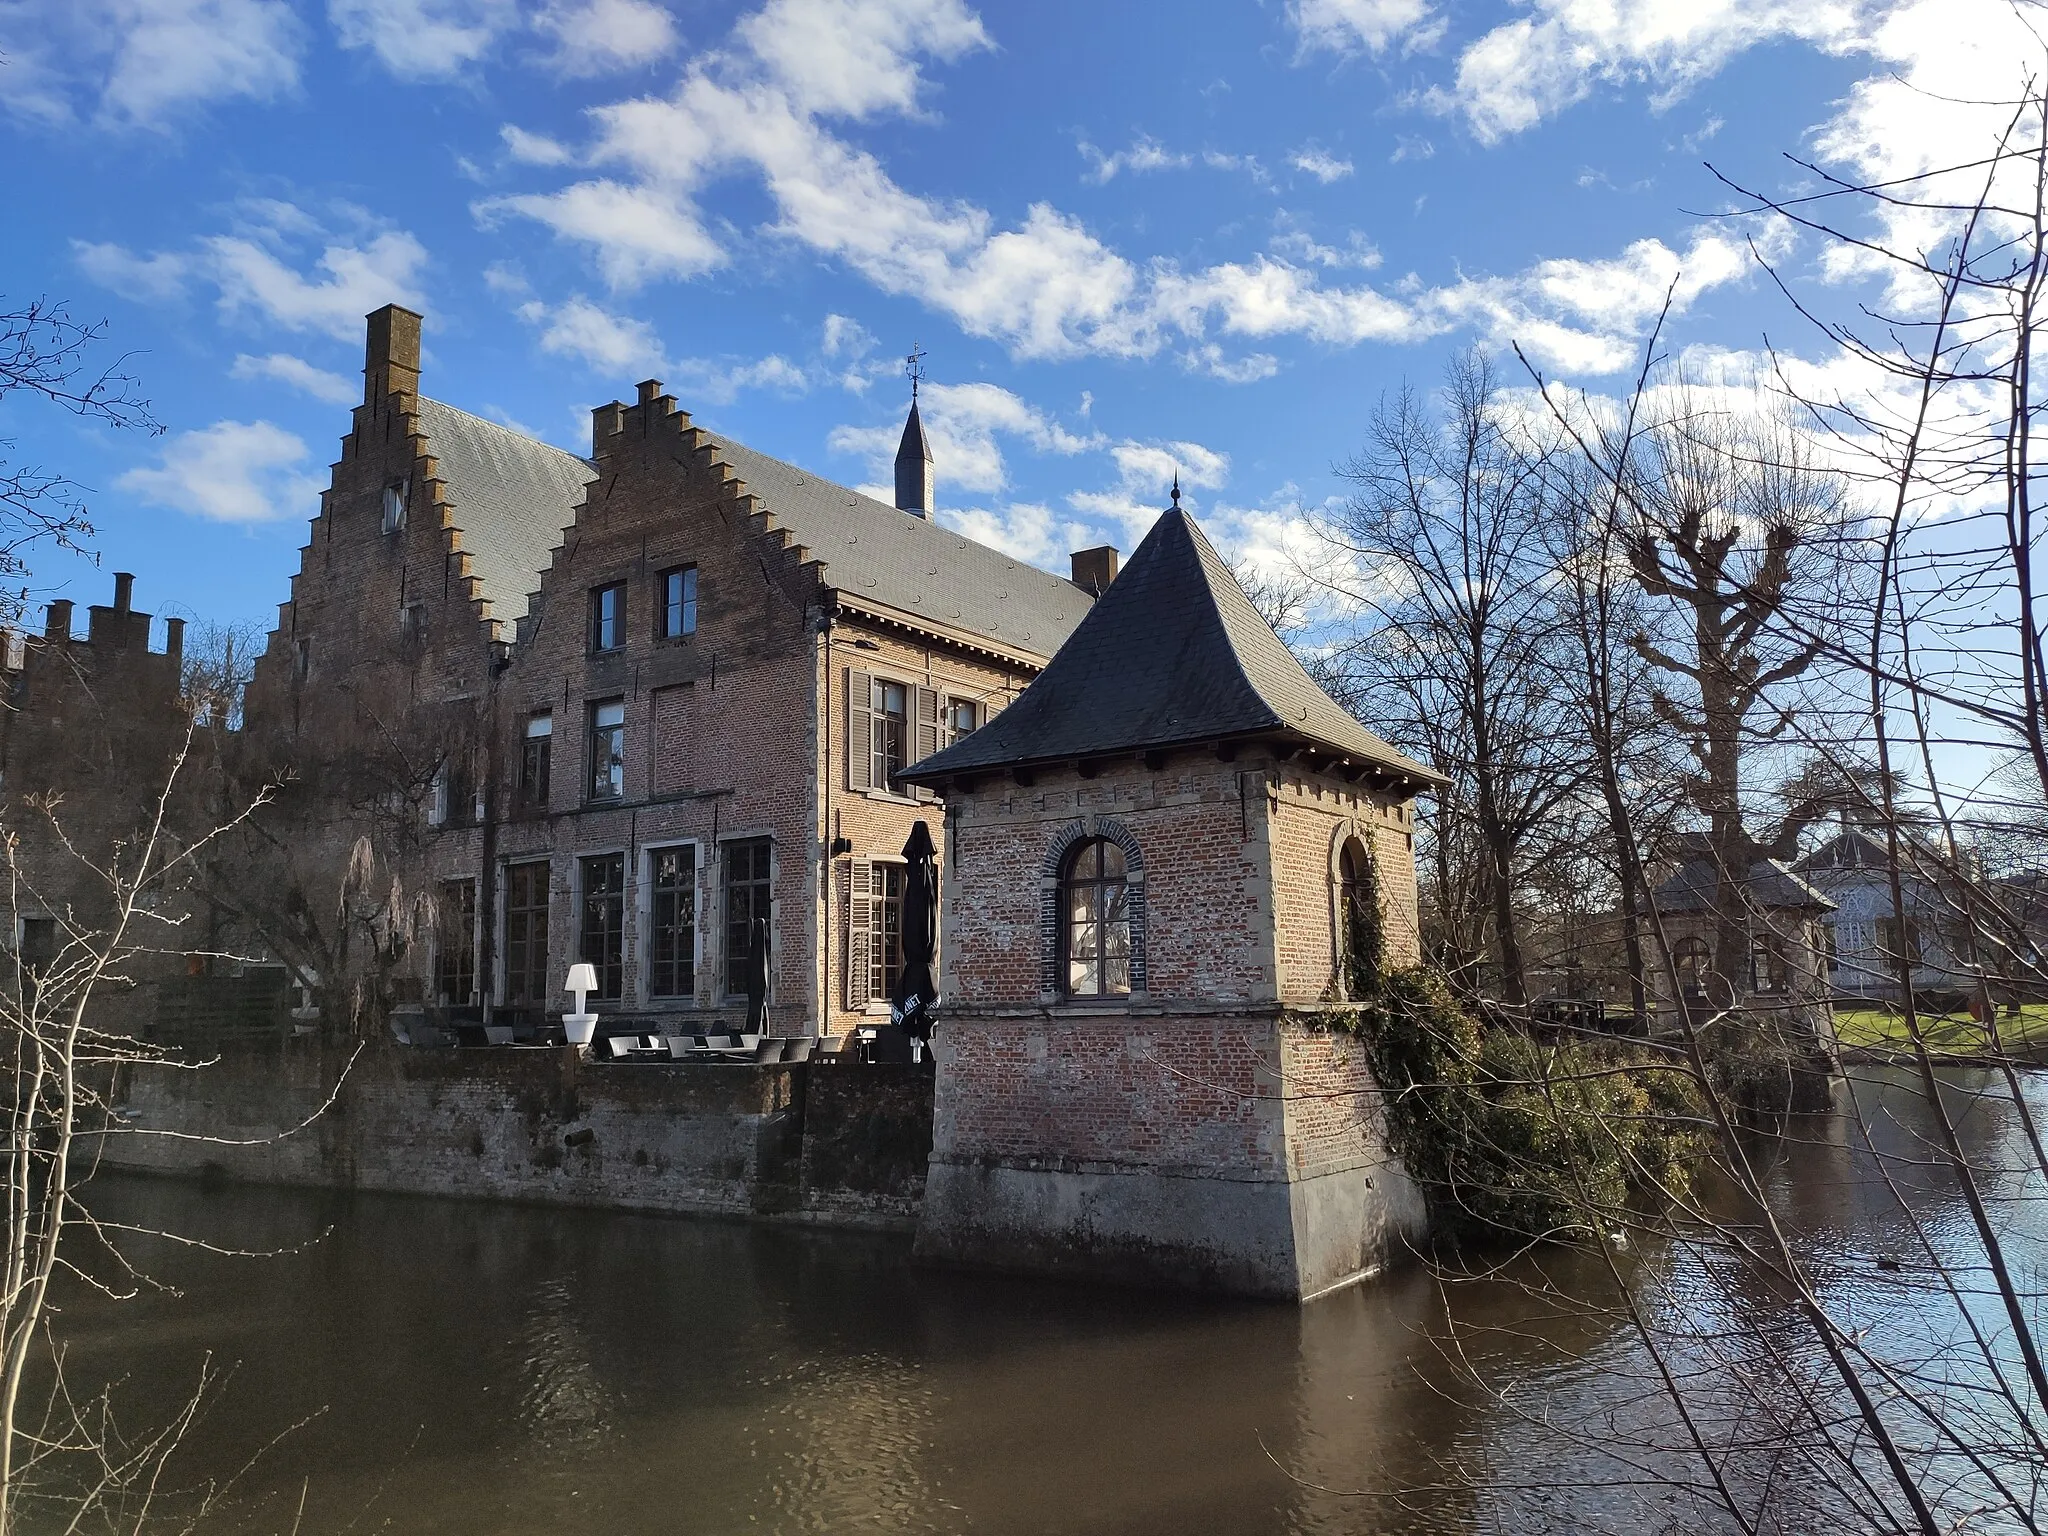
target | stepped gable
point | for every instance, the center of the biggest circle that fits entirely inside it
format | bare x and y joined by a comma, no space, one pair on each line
875,554
1173,654
506,495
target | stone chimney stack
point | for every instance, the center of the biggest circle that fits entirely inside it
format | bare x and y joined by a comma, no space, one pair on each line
124,591
391,360
1095,569
916,484
174,639
57,623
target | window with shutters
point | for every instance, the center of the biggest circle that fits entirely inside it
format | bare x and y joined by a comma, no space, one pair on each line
455,944
608,749
747,892
890,725
602,929
874,932
526,934
672,921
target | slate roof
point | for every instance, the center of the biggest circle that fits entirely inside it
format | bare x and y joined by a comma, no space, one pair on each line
875,553
1769,886
1172,654
510,496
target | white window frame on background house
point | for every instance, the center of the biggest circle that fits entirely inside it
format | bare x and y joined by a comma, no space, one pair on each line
649,894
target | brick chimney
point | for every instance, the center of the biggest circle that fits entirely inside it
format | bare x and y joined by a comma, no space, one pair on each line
1095,569
57,621
174,639
124,591
391,358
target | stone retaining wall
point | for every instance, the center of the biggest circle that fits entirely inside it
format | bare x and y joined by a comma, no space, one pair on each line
845,1144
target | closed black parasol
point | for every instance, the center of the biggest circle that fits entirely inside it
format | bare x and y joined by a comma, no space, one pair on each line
757,978
916,993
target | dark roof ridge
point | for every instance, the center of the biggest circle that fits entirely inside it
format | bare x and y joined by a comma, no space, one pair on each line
1172,654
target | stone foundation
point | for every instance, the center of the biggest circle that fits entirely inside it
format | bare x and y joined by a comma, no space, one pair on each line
1233,1151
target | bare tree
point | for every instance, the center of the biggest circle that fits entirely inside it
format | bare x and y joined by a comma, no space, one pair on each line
1442,541
45,354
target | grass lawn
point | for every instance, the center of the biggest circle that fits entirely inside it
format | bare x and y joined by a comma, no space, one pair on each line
1958,1032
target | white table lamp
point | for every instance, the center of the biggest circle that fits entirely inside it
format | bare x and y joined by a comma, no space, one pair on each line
580,1026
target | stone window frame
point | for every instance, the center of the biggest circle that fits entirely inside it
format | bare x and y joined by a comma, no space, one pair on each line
1051,985
1347,829
644,922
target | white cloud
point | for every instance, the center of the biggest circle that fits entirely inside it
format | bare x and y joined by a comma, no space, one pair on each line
299,374
1537,65
230,472
358,279
1319,163
1364,26
599,37
251,272
1145,472
639,232
142,278
143,63
1044,288
1026,530
1145,154
854,58
720,380
608,343
1217,364
533,148
1299,245
423,39
845,337
1411,147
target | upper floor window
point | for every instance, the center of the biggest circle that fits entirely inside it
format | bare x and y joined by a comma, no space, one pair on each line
678,603
889,732
302,657
1095,928
889,726
394,506
412,621
608,749
608,616
534,754
963,718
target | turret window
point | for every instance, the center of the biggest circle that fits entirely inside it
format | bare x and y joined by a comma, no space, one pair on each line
1095,904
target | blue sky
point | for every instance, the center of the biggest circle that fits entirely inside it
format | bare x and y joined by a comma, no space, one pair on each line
1128,238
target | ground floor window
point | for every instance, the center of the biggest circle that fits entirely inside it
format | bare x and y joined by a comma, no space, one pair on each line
603,926
526,934
672,943
455,944
746,898
1692,959
874,933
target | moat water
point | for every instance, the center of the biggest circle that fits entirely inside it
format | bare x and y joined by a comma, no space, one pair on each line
414,1365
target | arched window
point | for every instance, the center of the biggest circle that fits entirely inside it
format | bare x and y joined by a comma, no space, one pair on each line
1691,957
1358,916
1095,926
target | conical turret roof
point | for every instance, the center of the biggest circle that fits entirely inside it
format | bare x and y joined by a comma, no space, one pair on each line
1173,654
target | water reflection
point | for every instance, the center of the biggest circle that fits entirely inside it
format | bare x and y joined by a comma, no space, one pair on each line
511,1370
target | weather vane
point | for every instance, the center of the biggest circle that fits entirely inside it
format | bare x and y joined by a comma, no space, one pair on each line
913,366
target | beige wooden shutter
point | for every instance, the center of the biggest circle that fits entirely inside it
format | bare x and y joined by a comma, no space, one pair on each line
860,932
925,731
860,730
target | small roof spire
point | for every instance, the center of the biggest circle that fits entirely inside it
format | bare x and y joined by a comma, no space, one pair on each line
1176,486
913,368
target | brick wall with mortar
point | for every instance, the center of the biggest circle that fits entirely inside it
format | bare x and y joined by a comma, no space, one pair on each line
1201,1131
764,746
542,1126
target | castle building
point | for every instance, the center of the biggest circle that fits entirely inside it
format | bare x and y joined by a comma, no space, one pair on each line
1162,863
616,708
